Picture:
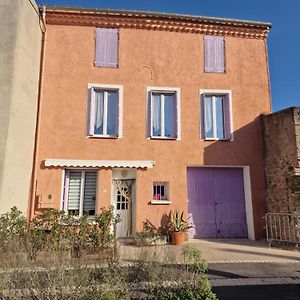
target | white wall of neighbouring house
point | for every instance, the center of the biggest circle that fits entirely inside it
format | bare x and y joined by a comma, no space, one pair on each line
20,48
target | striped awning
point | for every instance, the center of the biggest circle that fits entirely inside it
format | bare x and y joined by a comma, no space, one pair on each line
79,163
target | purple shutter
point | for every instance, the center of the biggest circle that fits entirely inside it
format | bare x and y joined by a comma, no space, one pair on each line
91,111
220,57
214,59
65,191
149,114
209,53
175,115
117,116
227,119
106,47
202,117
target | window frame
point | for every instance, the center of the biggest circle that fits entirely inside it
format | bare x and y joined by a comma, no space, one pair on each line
214,93
166,199
65,190
92,88
149,116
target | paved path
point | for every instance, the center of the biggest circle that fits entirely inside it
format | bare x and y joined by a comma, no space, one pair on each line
217,251
242,250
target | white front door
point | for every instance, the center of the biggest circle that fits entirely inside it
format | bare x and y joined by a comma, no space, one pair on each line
123,206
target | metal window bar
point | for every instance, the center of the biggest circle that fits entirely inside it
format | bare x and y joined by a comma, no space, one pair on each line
283,227
160,191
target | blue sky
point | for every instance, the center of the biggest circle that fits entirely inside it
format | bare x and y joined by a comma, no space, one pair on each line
283,40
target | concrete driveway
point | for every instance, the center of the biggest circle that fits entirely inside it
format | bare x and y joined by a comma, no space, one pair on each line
242,250
218,251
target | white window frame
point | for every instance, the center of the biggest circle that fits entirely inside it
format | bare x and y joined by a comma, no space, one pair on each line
105,88
65,190
165,184
166,199
163,90
213,93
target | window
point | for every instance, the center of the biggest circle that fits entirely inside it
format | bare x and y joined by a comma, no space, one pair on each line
106,53
105,111
215,116
161,191
80,192
214,54
163,113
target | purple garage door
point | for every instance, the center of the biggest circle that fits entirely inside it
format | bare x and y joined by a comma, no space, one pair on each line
216,203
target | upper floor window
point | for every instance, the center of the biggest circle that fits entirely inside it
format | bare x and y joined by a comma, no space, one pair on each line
107,42
216,116
105,111
164,113
214,54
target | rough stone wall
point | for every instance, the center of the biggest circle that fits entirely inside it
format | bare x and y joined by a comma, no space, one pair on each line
282,154
296,177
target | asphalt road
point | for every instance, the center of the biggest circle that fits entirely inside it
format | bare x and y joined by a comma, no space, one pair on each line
258,292
255,281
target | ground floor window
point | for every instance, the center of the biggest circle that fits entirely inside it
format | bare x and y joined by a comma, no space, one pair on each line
80,191
161,190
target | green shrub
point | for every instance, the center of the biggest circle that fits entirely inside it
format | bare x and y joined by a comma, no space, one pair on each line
197,290
12,231
150,275
53,230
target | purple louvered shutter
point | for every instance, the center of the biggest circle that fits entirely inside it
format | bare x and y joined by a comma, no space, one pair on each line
175,114
220,54
106,54
90,111
149,115
117,116
202,117
214,58
227,119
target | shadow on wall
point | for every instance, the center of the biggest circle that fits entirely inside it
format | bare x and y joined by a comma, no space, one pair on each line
245,149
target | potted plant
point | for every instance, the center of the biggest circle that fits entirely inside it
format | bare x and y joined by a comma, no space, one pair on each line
178,227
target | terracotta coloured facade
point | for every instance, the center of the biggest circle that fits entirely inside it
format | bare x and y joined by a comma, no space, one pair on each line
154,51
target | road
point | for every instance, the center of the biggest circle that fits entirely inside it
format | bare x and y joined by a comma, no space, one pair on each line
255,281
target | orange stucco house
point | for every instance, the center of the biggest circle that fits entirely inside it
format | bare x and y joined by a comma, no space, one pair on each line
153,112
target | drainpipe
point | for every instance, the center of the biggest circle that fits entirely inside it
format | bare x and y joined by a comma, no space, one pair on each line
33,184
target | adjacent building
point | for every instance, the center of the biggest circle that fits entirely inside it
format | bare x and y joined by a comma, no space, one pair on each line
20,48
282,160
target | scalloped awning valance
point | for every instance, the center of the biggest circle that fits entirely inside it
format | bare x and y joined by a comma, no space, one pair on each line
79,163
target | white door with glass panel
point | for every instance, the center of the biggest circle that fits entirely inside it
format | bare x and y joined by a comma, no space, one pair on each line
80,191
123,206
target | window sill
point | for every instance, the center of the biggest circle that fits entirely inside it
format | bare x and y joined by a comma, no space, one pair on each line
216,139
160,202
96,65
162,138
95,136
90,221
215,72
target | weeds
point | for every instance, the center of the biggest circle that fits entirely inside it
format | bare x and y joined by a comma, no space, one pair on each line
150,275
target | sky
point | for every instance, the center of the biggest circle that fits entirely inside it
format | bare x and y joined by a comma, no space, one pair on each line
283,40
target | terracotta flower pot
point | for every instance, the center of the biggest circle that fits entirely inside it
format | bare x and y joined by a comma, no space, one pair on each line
178,237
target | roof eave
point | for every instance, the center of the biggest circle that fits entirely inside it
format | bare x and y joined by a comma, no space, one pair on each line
183,17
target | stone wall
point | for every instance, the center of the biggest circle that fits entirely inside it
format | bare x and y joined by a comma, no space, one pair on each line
282,157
